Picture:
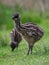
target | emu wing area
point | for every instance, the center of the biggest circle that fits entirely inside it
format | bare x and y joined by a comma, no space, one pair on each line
33,30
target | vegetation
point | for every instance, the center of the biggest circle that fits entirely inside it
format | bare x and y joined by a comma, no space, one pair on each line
40,54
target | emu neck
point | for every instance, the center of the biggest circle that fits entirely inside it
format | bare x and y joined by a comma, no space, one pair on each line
20,28
17,24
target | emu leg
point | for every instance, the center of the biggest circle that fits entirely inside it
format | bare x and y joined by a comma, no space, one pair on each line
32,48
29,50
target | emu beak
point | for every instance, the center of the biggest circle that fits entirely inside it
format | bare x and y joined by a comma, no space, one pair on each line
12,17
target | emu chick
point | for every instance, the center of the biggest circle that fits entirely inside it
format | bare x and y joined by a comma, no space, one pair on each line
15,39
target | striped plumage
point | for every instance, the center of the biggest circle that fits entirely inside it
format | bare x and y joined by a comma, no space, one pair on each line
15,39
33,29
30,32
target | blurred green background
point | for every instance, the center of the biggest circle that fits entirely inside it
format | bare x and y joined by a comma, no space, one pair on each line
30,11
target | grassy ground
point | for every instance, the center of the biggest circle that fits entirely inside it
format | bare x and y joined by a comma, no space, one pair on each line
40,54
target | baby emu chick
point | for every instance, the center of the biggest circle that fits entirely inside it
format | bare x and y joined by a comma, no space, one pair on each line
30,32
15,39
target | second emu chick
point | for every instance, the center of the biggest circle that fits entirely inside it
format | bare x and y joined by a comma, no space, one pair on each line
15,39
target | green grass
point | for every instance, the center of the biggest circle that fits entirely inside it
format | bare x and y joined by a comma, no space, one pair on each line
18,57
40,51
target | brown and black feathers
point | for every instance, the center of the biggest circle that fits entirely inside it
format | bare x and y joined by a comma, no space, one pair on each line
15,39
31,32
